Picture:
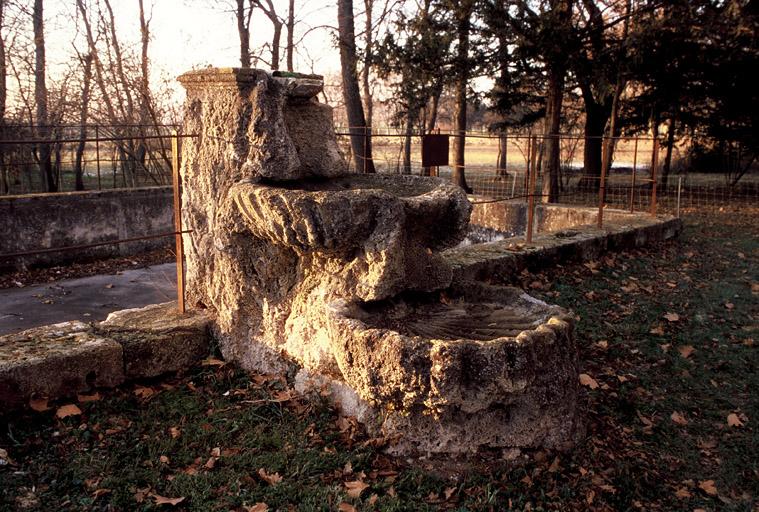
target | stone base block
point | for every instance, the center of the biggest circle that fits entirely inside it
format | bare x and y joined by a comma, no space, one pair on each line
57,360
157,339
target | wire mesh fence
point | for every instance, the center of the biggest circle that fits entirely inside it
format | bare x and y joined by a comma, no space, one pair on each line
497,166
89,157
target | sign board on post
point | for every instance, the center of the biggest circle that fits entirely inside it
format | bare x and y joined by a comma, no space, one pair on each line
435,149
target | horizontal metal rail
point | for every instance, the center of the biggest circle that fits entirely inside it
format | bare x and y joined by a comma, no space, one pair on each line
90,246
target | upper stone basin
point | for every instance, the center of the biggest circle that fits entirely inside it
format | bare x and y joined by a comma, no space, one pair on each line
343,213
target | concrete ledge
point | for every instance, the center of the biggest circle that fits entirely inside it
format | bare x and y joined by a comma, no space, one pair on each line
61,360
505,259
157,339
57,360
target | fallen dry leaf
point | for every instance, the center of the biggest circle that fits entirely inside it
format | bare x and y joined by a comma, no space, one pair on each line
346,507
672,317
587,380
68,410
733,420
163,500
682,493
89,398
658,330
708,487
174,432
143,392
258,507
39,404
678,418
355,488
271,479
211,361
686,351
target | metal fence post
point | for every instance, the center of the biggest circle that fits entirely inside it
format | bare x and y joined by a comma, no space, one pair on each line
654,165
605,150
179,242
97,152
531,170
632,184
366,146
679,188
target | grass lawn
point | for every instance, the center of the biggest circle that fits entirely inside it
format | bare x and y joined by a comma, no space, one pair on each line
667,340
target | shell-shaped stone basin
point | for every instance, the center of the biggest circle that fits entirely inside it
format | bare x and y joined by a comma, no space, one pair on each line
469,348
342,213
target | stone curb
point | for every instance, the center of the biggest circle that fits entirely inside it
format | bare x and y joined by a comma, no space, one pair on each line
60,360
507,258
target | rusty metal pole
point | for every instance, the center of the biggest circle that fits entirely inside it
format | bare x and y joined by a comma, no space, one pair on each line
605,152
532,171
366,146
179,242
97,152
529,162
654,165
632,184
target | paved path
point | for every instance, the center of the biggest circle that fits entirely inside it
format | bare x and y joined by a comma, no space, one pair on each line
87,298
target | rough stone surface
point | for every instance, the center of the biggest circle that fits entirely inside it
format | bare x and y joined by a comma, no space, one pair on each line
57,360
341,277
158,339
61,360
480,367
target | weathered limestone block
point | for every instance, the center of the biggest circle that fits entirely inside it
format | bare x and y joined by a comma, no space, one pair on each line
480,366
377,232
55,361
158,339
340,277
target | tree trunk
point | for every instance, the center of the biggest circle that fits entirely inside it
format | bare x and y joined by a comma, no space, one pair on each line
3,68
86,79
243,30
503,156
595,123
552,143
275,43
290,35
361,143
40,97
668,155
4,185
144,68
368,100
407,143
463,25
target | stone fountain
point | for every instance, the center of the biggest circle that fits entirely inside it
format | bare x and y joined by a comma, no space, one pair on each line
338,278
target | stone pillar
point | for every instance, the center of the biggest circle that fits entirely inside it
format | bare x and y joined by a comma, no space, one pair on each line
249,126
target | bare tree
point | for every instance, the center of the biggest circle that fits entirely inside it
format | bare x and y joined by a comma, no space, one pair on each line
463,12
360,141
290,34
267,7
83,118
365,72
40,97
243,30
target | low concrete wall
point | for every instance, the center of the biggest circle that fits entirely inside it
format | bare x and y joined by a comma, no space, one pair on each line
511,217
502,261
42,221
